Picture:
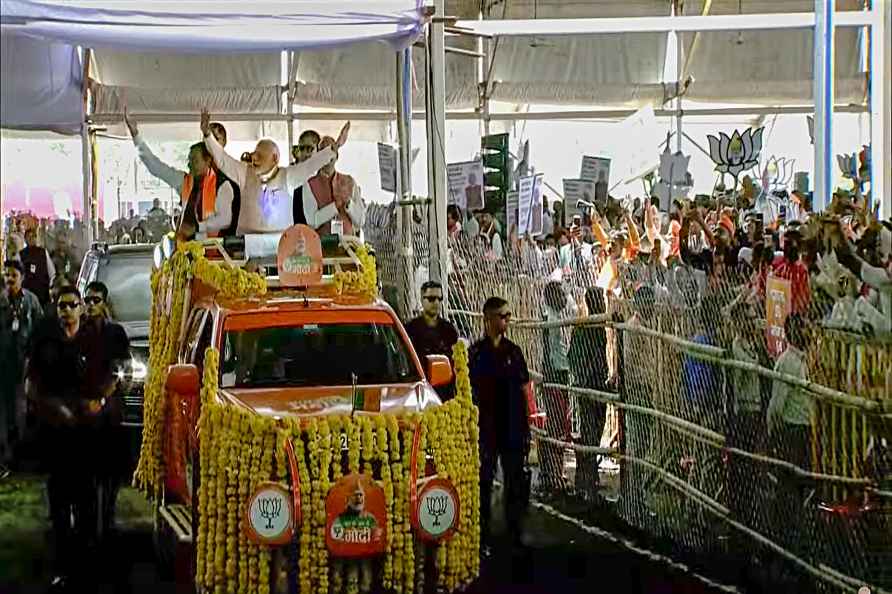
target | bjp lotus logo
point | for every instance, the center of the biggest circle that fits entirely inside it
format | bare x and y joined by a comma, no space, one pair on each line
737,153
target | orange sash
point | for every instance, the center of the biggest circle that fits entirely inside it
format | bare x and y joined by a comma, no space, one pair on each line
208,193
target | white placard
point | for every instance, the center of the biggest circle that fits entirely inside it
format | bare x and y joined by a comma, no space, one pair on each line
465,181
387,166
524,203
511,207
643,137
574,191
530,206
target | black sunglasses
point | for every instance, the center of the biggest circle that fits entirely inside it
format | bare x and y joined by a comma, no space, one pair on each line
93,300
305,147
433,298
68,305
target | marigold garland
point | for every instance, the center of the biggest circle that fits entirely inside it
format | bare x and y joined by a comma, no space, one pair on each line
239,450
362,282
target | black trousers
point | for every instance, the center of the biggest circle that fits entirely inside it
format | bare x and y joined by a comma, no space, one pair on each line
592,418
516,489
72,490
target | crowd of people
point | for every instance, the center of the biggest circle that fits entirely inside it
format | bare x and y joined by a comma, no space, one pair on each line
699,272
222,196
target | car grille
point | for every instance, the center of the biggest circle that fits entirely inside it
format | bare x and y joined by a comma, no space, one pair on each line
133,405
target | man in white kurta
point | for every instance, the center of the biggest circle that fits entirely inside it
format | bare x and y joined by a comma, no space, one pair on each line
267,190
332,201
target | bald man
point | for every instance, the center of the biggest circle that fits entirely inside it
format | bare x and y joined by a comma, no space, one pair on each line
267,189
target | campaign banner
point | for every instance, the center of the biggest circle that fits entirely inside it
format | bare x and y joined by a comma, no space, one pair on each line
778,304
387,166
511,208
576,190
529,208
597,169
465,185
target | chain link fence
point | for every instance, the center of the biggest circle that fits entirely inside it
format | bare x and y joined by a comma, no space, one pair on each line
664,394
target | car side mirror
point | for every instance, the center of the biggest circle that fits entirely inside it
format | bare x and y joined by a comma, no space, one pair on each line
183,379
439,370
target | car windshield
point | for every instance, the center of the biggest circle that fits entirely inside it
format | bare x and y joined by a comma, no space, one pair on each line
316,355
129,286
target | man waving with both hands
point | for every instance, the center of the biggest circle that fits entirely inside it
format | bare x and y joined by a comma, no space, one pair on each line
267,189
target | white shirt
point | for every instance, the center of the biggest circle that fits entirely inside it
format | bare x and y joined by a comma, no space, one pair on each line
267,200
316,217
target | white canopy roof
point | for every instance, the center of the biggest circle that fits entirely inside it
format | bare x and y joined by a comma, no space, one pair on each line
39,38
139,56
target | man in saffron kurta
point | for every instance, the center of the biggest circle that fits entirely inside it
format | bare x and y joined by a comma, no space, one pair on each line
211,202
332,201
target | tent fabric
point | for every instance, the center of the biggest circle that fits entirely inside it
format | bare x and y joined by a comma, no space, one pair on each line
222,26
47,92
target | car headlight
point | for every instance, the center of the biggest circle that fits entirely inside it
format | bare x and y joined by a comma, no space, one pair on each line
139,370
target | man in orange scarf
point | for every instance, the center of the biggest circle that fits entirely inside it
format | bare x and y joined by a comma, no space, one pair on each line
332,201
211,202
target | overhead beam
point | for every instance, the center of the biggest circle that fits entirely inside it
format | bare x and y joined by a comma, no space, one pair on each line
681,24
102,119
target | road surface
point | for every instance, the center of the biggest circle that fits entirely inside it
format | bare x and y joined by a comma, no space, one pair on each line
560,557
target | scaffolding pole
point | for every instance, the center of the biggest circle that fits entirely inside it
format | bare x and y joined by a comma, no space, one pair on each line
824,93
87,153
436,141
881,107
405,255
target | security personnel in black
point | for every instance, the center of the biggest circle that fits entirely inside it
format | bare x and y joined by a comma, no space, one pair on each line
39,267
71,403
499,376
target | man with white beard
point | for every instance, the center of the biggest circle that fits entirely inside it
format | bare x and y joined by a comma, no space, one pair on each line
267,189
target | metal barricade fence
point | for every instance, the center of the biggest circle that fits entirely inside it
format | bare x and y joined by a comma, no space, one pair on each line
665,405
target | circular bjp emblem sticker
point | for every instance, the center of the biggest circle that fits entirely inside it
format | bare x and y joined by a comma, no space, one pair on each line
438,510
269,518
355,517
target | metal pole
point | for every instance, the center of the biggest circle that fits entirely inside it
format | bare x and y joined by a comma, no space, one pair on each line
87,153
824,93
405,224
436,116
881,107
679,61
291,86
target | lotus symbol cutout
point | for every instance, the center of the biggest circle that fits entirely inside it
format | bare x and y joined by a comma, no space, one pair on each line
736,153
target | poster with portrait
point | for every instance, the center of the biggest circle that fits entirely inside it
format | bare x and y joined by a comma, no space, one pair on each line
465,185
355,517
576,191
511,208
387,160
529,208
597,169
778,304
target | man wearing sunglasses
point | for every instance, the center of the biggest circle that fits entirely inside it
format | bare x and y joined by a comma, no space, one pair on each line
499,376
107,351
430,333
73,390
305,148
